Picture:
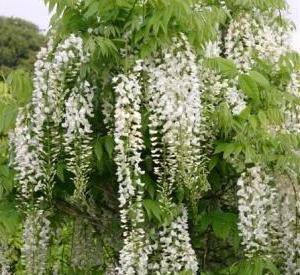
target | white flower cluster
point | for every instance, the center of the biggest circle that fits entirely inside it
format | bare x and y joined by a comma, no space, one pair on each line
292,111
255,33
176,252
174,99
36,137
36,234
217,88
269,217
255,199
235,98
4,261
128,147
77,136
174,95
212,49
26,160
36,141
289,209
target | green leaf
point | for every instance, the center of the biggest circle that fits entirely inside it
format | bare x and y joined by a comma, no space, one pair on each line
60,171
223,223
263,118
203,221
224,66
9,219
213,162
225,118
249,87
92,9
228,149
153,209
98,149
109,146
8,114
21,86
268,265
259,79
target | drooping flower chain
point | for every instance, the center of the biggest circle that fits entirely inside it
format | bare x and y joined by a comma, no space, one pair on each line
174,250
37,142
77,136
255,199
255,33
289,209
128,147
268,217
5,260
292,110
175,118
36,235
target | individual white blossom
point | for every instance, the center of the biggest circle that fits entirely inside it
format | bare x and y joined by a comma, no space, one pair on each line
212,49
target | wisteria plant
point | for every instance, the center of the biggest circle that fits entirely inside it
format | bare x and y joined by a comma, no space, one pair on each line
161,137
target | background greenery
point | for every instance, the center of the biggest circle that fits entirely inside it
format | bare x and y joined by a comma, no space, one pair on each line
20,41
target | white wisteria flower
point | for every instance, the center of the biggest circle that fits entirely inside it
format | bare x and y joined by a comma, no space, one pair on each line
77,136
128,147
174,95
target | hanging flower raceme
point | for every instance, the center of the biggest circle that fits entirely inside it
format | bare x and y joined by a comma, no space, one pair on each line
292,109
289,211
26,161
128,147
216,87
36,142
5,261
36,232
174,247
37,130
269,213
174,97
256,201
255,33
77,138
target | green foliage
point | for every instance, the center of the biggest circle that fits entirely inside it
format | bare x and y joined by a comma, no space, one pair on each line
223,66
256,266
117,33
14,93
